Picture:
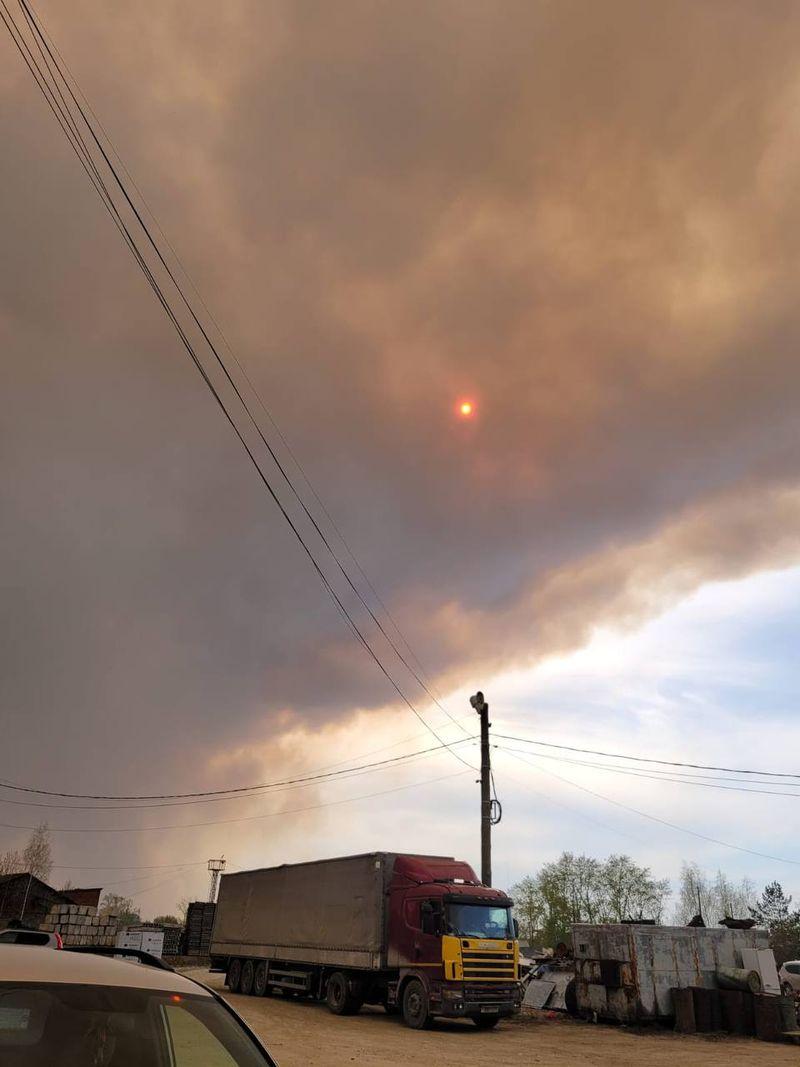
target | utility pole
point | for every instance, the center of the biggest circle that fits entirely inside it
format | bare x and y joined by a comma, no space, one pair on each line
25,898
487,814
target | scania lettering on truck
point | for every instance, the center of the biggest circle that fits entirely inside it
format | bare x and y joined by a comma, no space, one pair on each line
418,934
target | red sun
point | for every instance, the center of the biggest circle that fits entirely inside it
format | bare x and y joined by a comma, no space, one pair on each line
466,409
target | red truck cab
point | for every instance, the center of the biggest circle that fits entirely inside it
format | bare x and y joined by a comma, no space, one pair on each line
453,942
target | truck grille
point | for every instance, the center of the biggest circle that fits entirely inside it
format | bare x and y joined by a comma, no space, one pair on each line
488,966
478,993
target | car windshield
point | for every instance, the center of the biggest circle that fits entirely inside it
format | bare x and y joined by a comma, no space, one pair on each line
23,937
61,1025
479,920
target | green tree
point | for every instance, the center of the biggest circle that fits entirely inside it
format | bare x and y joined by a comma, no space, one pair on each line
772,907
122,907
167,920
529,909
631,892
582,889
773,912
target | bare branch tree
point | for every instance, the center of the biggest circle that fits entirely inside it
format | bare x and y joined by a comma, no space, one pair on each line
11,862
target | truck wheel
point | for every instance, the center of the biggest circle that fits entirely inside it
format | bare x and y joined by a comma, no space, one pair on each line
416,1006
246,981
234,976
338,996
486,1022
260,985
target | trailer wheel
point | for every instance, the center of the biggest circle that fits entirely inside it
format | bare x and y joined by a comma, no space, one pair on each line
234,976
246,981
260,984
486,1022
338,996
416,1005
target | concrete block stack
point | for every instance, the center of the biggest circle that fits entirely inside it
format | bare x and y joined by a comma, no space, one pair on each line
79,924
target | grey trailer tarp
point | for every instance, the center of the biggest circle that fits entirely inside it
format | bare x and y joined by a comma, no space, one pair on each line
329,912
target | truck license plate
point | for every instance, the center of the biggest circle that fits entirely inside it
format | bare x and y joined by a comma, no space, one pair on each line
489,1011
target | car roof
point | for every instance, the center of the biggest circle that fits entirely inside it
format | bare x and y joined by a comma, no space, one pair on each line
29,963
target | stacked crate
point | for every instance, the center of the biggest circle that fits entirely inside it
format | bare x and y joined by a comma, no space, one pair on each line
172,939
199,925
79,924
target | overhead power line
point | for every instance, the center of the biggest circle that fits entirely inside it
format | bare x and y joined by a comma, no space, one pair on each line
645,759
208,796
655,818
664,776
245,818
50,72
142,878
135,867
150,888
254,390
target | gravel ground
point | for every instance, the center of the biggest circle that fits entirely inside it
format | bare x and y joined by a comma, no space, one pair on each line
304,1034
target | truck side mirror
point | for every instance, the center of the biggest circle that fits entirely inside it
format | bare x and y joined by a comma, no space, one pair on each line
516,929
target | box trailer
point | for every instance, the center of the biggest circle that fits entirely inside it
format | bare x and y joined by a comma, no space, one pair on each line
418,934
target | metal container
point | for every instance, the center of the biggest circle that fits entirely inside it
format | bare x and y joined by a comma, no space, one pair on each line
626,971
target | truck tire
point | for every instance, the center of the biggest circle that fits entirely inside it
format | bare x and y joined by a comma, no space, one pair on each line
246,981
486,1022
260,980
338,996
234,975
416,1005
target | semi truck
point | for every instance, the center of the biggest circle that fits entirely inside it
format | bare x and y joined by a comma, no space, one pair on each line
419,935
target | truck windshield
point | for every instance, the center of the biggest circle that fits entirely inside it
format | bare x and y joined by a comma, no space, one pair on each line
479,920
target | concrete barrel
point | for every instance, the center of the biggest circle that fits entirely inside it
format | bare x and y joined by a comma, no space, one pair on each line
739,978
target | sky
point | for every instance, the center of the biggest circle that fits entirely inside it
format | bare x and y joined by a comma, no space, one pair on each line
581,218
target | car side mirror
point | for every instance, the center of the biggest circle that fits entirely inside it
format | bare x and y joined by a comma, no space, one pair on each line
516,929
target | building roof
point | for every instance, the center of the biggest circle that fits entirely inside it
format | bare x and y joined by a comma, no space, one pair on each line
26,963
90,897
23,876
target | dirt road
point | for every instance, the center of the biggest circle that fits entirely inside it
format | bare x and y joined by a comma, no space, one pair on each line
300,1034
